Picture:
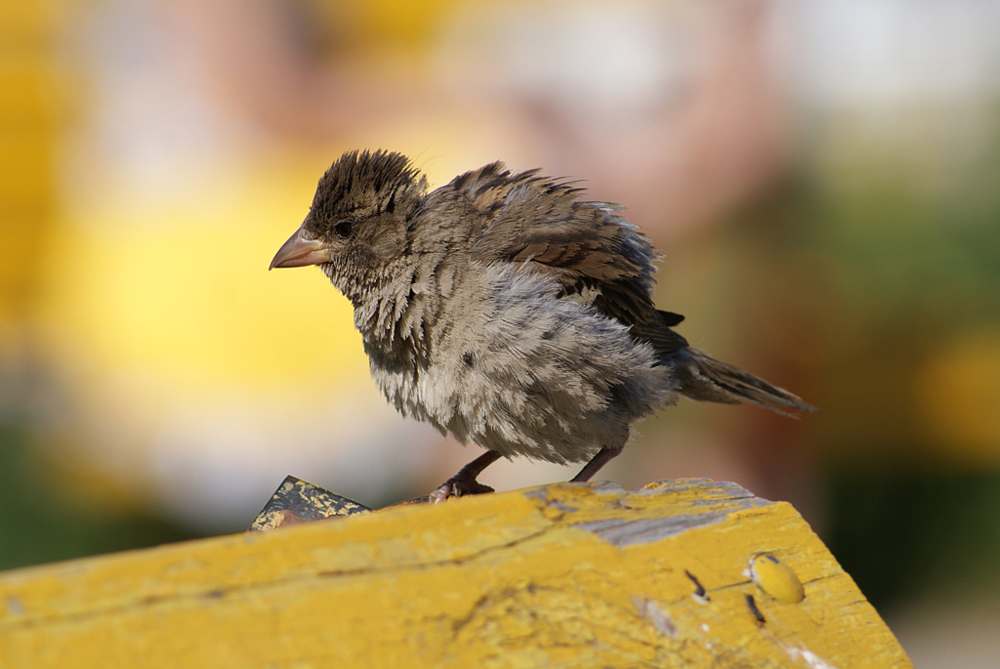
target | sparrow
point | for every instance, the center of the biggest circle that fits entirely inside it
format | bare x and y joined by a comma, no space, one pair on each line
507,310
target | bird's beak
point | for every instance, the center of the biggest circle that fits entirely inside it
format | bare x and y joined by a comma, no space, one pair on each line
300,251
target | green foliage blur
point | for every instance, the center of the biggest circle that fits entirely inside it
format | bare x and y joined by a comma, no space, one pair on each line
41,521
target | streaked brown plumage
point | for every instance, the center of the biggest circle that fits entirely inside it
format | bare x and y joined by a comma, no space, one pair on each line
506,310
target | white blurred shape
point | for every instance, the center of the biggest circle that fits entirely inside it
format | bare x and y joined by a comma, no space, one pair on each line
860,53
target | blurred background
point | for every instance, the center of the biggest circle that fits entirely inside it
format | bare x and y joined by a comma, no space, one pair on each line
823,179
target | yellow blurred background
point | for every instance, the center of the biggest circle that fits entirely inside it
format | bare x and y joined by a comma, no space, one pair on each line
823,179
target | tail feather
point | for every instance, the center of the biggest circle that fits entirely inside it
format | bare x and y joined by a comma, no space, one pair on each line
706,379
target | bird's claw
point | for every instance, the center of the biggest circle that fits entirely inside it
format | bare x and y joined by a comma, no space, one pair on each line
457,486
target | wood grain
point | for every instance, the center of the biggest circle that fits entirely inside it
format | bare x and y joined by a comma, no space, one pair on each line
565,575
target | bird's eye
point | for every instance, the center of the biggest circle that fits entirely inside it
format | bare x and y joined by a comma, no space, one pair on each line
344,229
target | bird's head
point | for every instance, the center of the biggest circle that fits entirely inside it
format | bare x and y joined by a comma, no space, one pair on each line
357,224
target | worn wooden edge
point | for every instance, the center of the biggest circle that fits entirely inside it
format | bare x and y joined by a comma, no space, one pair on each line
297,501
563,575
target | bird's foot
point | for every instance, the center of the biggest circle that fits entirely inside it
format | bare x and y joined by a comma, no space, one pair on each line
458,486
464,482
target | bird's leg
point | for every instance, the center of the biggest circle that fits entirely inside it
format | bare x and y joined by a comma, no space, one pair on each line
464,482
603,457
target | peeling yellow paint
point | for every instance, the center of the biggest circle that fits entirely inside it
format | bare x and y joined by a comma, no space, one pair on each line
776,578
574,575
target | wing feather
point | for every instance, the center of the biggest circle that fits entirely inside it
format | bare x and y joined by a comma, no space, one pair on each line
588,247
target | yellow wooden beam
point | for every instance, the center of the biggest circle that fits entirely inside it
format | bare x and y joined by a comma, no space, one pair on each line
568,575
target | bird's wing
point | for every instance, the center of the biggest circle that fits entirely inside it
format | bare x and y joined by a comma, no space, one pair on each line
587,247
